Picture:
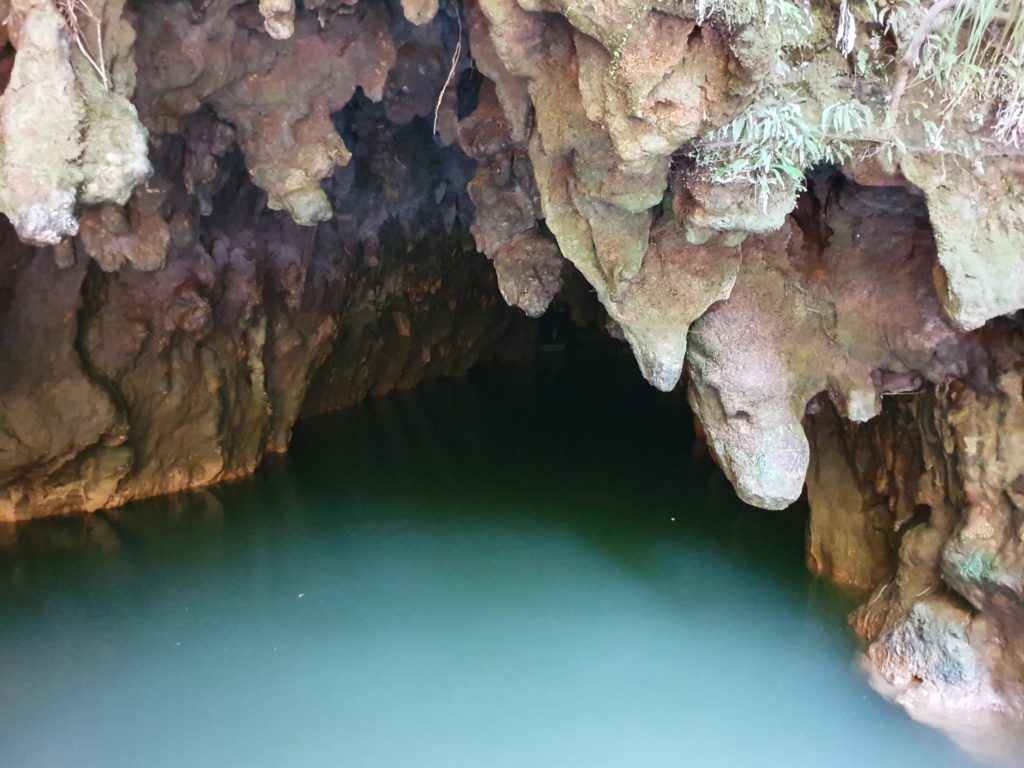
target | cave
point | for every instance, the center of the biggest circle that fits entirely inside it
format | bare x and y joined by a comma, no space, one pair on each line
511,382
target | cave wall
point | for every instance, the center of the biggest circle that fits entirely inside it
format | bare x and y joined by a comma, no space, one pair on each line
176,339
923,506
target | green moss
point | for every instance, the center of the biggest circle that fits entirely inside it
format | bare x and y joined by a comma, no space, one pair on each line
977,567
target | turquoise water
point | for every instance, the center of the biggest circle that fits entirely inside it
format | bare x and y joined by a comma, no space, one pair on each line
528,569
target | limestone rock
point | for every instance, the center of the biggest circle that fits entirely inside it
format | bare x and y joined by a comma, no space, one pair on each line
510,89
807,316
208,140
505,226
419,11
67,135
614,92
979,229
529,271
182,340
115,153
941,486
278,18
114,157
40,114
278,95
851,535
59,428
414,82
677,284
136,234
704,207
663,83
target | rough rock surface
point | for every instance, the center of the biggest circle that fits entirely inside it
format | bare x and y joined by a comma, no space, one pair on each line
979,229
419,11
839,301
278,95
923,505
618,90
278,18
506,222
181,345
69,132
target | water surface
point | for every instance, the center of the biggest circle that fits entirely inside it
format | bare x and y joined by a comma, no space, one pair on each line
527,569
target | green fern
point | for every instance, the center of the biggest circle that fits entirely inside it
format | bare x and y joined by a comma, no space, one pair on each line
770,145
792,18
846,117
977,54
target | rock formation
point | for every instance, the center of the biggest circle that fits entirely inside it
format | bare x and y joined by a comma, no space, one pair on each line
922,505
172,342
225,213
69,132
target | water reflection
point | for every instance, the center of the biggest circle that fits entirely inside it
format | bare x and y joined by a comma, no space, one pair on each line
524,569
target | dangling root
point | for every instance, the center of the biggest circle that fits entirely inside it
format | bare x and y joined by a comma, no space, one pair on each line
451,72
69,9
